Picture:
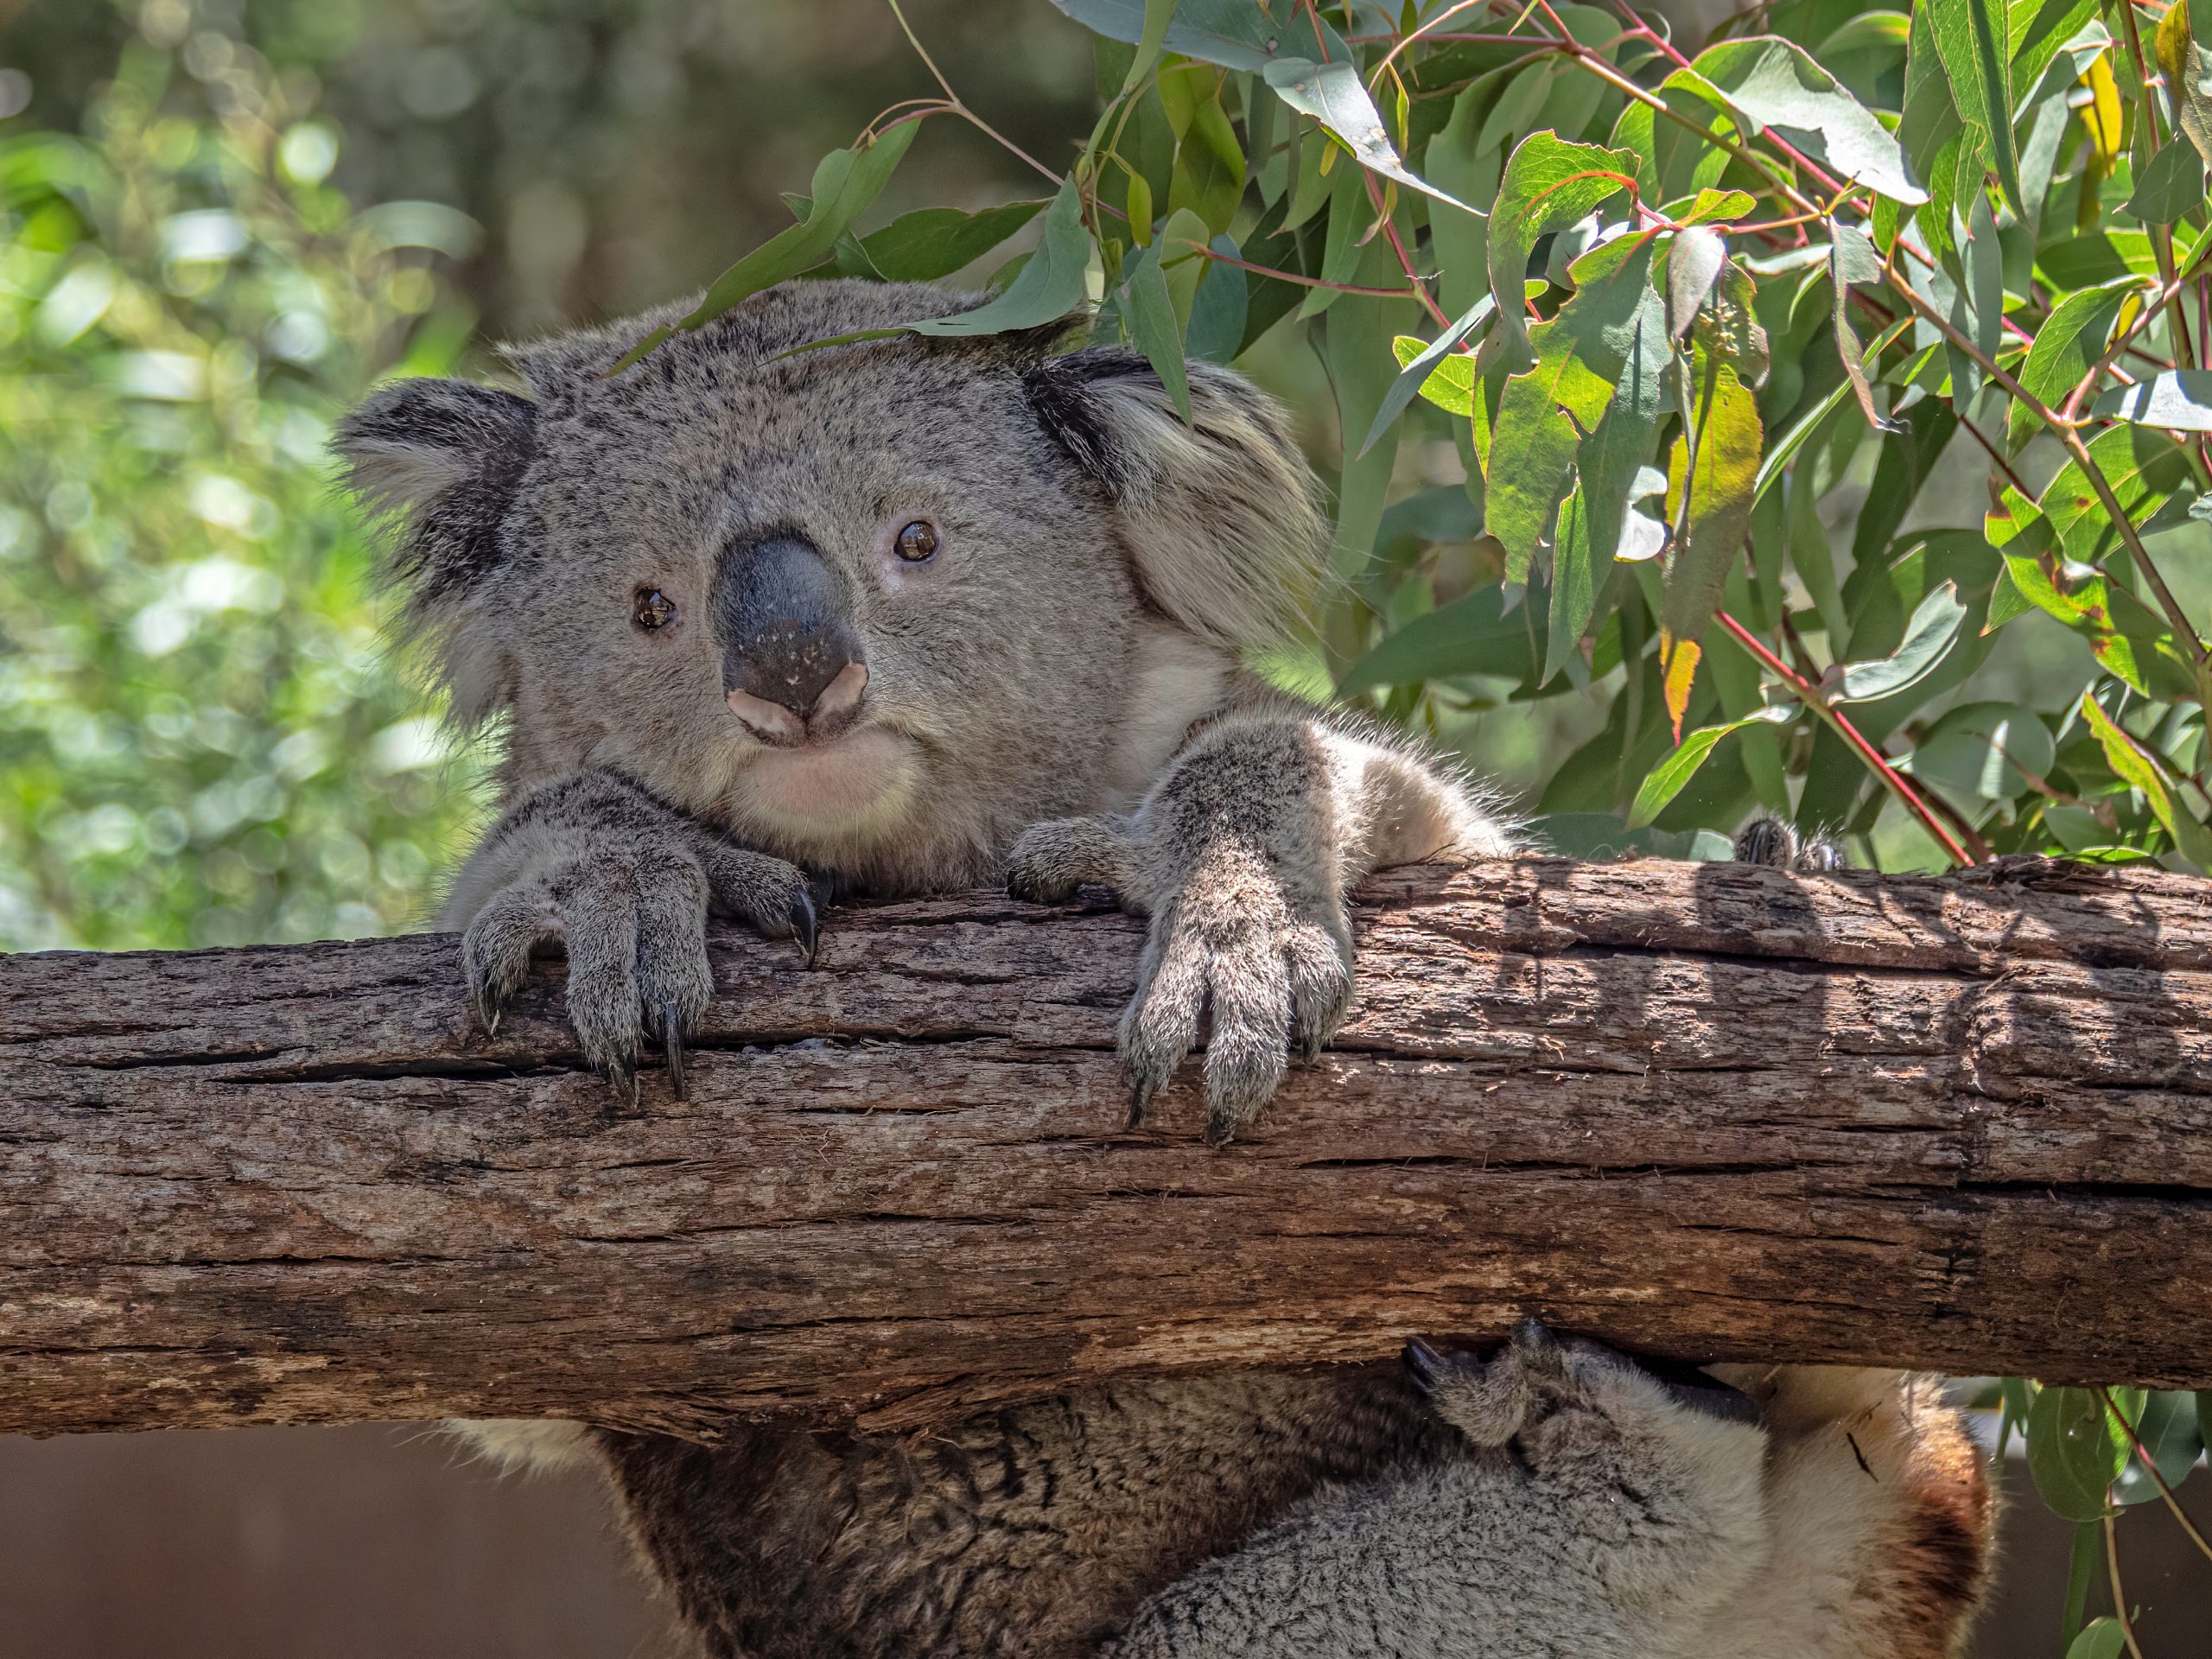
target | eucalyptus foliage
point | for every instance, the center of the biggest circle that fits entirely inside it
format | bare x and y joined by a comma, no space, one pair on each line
201,740
1700,325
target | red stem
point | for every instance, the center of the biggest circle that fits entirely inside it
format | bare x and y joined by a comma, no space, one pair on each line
1809,694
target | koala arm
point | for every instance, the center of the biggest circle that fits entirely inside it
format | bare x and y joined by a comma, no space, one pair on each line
625,883
1242,854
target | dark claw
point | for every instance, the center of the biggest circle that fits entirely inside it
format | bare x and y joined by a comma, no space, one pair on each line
487,1011
1425,1365
806,927
1141,1093
672,1038
622,1077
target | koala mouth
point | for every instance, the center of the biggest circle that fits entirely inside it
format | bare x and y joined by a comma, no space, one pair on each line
860,781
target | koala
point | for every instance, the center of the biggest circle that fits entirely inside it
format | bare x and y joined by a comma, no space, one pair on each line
1596,1510
898,616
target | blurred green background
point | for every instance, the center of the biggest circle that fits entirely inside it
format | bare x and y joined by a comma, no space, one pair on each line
219,221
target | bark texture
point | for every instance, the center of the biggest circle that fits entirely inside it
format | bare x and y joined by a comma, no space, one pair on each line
1706,1109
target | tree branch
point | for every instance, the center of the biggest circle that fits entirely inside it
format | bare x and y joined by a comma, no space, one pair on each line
1701,1108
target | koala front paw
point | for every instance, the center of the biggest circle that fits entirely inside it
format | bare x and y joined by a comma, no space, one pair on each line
632,921
1271,972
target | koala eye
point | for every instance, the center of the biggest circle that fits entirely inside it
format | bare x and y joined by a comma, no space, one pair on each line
917,542
651,608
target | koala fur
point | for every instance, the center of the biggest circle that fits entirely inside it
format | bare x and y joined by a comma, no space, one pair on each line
1596,1512
686,592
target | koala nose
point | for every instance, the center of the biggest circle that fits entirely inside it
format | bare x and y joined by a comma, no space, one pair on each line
793,667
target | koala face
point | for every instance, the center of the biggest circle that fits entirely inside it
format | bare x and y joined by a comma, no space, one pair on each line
873,606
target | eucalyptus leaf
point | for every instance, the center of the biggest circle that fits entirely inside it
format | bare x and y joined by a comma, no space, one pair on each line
1775,84
2171,187
1050,286
1693,264
1973,40
2177,400
1929,636
2168,1431
1549,184
1235,33
1416,374
1150,313
1334,95
2075,1452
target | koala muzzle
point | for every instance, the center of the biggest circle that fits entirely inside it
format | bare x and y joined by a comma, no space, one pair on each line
793,667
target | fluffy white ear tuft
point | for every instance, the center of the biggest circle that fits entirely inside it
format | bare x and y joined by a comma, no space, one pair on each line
441,462
1222,521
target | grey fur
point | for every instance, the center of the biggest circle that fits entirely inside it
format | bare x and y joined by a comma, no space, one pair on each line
1056,698
1593,1512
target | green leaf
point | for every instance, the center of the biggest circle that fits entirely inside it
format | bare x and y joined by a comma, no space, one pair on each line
1852,260
2170,1432
1986,749
1050,286
1151,38
1150,313
1542,414
2101,1638
2134,766
845,183
1869,30
1235,33
2174,400
1719,491
1475,634
932,244
1774,84
1436,370
1710,205
2071,338
2075,1452
1694,266
1972,39
1610,476
1548,185
1333,94
1785,449
1666,780
2171,187
1927,636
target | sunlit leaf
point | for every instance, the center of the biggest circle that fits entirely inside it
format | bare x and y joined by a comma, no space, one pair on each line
1709,498
1694,266
1433,369
1333,94
2130,764
1774,84
2177,400
2071,338
1548,185
1665,781
1971,39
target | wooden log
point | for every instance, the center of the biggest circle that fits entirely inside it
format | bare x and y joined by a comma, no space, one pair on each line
1698,1109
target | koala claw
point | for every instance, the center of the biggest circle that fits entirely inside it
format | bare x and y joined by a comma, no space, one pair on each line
1270,980
806,926
671,1042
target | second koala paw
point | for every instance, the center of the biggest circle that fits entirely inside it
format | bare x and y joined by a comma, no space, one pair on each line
1234,948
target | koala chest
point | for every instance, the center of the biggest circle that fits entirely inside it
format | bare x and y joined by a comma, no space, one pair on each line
1032,1534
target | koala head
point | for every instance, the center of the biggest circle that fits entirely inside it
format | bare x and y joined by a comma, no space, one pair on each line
873,606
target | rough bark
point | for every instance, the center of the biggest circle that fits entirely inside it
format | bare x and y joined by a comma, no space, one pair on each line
1699,1109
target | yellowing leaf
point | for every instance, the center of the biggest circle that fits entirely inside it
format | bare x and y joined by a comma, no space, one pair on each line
2102,115
1678,658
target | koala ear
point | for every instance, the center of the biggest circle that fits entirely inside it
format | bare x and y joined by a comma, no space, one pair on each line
442,457
1221,517
441,460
